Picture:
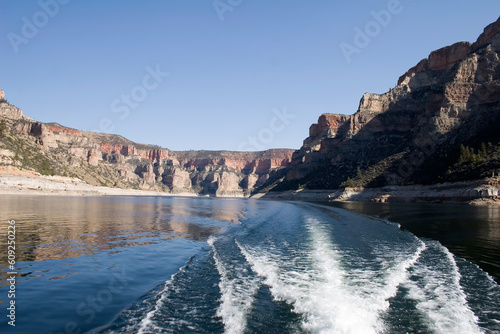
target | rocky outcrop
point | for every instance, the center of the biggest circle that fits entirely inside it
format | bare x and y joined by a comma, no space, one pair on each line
227,185
112,160
489,36
439,124
448,99
178,180
94,157
459,192
437,61
8,111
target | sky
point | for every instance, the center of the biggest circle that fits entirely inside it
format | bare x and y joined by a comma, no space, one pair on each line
217,74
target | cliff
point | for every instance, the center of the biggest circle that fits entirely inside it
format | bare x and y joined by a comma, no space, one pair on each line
440,123
112,160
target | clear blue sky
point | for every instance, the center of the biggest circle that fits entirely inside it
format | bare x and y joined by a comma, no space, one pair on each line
227,77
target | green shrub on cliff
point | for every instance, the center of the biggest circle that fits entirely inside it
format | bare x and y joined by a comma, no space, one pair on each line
3,129
359,174
358,180
469,156
349,183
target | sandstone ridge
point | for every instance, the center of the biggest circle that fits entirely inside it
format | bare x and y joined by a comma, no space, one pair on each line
112,160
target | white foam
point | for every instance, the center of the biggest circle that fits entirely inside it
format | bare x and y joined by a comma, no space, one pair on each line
331,298
369,289
334,305
388,222
238,290
323,292
439,294
147,325
382,283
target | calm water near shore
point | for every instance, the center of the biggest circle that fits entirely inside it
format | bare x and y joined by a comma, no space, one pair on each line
201,265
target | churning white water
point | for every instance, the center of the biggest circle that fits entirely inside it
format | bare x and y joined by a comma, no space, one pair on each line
316,270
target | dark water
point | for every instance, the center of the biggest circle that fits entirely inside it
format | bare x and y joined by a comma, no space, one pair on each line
471,232
177,265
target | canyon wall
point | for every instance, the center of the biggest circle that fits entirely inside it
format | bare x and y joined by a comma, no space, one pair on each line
438,124
413,133
111,160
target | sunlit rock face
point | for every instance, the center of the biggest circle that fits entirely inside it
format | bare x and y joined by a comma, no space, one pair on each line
111,160
408,135
446,99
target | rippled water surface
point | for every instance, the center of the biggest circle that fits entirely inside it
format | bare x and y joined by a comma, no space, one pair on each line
472,232
199,265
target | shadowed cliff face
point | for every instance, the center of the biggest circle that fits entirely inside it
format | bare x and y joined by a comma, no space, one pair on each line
412,134
112,160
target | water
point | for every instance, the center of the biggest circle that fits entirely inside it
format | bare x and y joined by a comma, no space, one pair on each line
471,232
170,265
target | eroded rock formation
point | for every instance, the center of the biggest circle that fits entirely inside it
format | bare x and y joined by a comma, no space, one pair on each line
450,98
439,124
103,159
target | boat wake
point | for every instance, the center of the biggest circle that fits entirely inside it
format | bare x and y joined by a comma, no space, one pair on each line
320,271
238,289
325,285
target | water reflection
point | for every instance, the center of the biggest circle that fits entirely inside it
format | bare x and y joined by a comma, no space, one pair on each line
49,228
471,232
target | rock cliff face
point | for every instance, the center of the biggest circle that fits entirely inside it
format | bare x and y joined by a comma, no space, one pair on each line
112,160
412,134
439,124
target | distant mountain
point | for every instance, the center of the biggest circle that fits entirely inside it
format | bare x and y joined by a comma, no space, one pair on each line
441,123
112,160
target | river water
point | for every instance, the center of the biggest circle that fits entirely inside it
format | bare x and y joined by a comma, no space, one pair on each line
201,265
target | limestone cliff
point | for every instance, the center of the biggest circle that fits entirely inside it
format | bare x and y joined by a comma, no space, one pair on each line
418,132
111,160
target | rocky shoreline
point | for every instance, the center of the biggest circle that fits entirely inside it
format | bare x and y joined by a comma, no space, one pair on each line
438,124
476,193
18,182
